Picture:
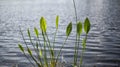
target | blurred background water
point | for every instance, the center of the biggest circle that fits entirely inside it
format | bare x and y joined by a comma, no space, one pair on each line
103,45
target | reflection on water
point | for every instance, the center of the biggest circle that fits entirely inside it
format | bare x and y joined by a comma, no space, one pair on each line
103,45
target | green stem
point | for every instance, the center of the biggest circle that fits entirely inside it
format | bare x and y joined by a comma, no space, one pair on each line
77,48
76,31
26,46
45,56
61,49
50,48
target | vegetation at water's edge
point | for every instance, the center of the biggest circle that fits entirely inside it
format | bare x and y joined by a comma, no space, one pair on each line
41,54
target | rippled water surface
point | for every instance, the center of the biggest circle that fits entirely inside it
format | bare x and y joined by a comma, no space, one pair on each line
103,45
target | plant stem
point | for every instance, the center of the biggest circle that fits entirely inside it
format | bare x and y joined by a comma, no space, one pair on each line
26,46
61,49
45,56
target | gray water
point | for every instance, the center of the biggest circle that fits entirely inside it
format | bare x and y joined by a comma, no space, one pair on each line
103,44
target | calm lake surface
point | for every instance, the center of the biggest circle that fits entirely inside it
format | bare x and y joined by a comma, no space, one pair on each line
103,45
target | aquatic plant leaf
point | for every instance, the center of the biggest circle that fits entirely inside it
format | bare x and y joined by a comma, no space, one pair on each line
20,47
79,28
57,20
29,51
36,32
43,24
28,31
40,53
69,29
87,25
84,43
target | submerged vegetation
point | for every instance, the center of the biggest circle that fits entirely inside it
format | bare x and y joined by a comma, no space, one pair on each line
44,50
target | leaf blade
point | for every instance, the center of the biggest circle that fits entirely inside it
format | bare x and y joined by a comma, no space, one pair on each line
43,24
87,25
57,21
69,29
79,28
36,32
21,47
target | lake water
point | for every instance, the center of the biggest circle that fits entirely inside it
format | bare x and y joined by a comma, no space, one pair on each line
103,44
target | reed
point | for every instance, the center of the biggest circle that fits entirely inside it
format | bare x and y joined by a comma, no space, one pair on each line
40,59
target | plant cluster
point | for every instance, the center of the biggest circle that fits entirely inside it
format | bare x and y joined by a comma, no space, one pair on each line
40,48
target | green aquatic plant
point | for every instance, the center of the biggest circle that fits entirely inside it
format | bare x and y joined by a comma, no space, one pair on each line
44,49
40,49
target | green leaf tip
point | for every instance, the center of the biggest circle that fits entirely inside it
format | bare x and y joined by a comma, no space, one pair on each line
57,21
43,24
20,47
87,25
69,29
28,31
29,51
79,28
36,32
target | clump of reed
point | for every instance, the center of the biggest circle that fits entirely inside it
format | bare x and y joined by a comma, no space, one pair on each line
40,48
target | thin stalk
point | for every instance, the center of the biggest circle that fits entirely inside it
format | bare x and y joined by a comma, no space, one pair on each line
39,55
26,46
29,59
45,56
78,48
83,49
38,50
34,47
54,38
75,53
76,30
35,61
75,10
61,49
50,48
81,57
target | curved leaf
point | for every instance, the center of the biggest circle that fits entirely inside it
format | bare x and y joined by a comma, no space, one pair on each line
20,47
57,20
69,29
87,25
79,28
43,24
36,32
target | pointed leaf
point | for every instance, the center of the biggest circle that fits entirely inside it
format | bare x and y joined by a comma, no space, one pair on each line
86,25
20,47
43,24
29,51
57,20
36,32
69,29
79,28
28,31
